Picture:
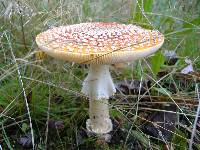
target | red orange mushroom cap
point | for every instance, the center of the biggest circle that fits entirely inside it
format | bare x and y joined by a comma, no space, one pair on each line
99,42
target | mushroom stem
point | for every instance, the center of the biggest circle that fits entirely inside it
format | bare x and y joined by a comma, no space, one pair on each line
99,122
99,86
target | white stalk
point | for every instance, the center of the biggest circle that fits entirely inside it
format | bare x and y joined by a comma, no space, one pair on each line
99,121
98,83
98,86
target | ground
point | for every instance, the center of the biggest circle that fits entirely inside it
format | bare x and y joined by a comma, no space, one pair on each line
157,99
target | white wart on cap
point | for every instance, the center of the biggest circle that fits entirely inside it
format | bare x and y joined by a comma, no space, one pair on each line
99,42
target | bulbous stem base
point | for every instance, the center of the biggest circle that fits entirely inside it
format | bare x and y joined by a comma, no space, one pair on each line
99,86
99,121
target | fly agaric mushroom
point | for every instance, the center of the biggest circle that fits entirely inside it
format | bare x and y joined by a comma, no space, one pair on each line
99,44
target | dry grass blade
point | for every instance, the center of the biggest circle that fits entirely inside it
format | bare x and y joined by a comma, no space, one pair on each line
196,119
23,90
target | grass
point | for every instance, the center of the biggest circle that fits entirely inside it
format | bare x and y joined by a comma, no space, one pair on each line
51,88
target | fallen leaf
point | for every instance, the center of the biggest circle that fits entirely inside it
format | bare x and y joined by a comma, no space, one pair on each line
29,96
169,54
81,137
26,140
160,123
56,125
58,99
40,55
128,87
188,68
170,57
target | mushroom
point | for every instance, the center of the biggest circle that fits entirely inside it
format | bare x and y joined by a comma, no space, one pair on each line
99,44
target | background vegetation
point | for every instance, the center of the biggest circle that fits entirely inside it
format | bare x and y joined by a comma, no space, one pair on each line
157,100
